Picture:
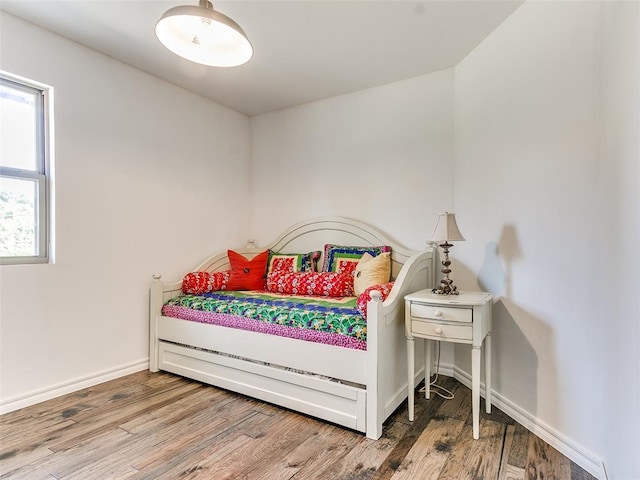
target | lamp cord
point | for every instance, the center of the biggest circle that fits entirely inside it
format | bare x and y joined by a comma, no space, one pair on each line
437,389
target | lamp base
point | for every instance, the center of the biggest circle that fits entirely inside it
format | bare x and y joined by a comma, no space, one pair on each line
446,289
446,286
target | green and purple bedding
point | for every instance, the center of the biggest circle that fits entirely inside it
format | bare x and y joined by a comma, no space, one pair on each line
329,320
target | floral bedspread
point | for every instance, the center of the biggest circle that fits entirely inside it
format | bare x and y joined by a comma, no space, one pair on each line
328,320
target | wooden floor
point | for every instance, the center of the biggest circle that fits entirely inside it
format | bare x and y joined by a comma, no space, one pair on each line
160,426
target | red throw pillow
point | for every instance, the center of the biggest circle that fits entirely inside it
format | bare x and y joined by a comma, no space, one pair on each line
325,284
247,274
364,297
195,283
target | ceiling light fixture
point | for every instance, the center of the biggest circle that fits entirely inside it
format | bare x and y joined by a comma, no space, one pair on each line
204,35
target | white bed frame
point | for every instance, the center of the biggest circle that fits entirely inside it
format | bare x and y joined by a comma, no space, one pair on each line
370,384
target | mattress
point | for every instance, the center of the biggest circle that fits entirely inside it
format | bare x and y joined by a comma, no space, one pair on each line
333,321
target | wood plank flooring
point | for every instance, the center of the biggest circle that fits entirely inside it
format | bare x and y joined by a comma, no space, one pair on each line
161,426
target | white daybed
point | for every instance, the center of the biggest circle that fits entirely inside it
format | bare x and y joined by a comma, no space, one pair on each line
268,367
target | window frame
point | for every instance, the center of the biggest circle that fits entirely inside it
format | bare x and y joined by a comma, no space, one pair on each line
42,175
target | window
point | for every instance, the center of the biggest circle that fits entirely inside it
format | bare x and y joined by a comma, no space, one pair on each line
24,171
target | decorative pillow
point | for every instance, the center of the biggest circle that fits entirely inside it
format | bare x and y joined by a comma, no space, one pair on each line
341,258
195,283
293,262
325,284
371,271
247,274
364,297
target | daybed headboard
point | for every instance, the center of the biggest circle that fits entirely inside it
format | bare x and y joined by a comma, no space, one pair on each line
312,235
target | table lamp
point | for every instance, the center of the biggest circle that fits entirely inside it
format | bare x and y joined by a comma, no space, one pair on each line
446,231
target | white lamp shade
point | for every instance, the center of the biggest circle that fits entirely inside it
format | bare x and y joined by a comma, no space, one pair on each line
446,229
204,36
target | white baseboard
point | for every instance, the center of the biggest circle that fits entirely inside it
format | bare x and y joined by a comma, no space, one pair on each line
37,396
569,448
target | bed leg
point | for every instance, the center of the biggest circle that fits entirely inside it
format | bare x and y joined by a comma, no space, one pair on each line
155,307
375,397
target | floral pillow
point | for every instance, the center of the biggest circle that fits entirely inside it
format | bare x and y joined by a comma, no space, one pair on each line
247,274
364,297
325,284
342,258
195,283
293,262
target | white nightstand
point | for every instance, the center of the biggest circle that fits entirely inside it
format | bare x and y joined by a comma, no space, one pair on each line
463,318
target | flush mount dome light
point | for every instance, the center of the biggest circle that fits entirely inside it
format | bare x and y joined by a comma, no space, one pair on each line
203,35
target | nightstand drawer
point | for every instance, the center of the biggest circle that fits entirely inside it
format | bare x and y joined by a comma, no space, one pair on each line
446,332
438,313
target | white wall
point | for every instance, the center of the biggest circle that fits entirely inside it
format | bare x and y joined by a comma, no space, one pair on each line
367,155
143,176
620,235
547,210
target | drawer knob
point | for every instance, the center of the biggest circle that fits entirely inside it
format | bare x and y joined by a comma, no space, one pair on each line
438,313
439,331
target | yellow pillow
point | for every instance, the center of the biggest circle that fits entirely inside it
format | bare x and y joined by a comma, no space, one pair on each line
371,271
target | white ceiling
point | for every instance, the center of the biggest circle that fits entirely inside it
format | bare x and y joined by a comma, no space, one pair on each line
304,50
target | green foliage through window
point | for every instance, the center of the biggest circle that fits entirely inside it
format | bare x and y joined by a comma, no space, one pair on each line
17,227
